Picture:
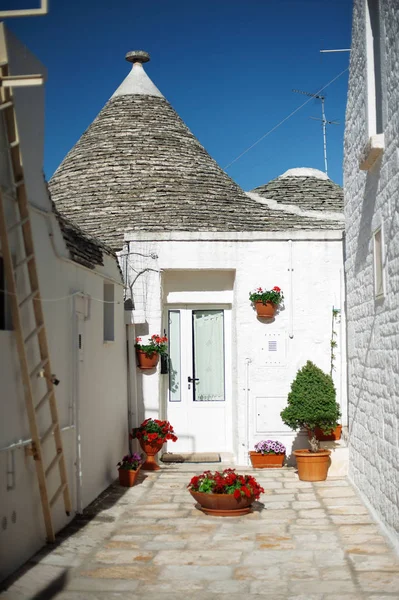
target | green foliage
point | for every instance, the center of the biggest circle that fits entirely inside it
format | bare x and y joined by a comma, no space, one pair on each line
311,401
275,296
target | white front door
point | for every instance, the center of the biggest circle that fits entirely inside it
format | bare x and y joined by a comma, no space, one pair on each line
199,390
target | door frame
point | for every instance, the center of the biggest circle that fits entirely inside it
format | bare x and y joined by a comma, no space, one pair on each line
228,355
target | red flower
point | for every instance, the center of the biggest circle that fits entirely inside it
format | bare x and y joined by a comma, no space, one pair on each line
276,289
138,339
237,494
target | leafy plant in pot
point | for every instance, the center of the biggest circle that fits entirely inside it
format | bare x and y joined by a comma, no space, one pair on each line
312,405
267,454
226,493
152,434
266,301
129,468
148,354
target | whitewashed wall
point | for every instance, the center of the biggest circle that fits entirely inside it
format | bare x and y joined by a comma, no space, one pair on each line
372,200
102,367
255,260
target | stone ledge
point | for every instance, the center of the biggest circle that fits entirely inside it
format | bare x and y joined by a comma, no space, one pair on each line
372,151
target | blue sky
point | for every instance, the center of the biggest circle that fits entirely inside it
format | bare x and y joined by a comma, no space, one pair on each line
226,66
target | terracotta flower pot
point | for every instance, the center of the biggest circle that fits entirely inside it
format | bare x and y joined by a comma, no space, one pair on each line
323,437
147,362
312,466
223,505
151,449
127,477
265,310
266,461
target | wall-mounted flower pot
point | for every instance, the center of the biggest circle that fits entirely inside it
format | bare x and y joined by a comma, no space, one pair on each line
265,310
312,466
266,461
127,477
324,437
151,449
147,361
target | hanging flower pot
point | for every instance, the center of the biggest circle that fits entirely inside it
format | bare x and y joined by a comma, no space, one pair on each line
147,361
265,310
148,354
266,302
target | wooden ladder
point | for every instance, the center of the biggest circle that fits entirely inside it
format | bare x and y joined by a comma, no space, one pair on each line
26,265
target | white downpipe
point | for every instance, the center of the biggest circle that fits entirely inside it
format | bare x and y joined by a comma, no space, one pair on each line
247,390
290,293
76,404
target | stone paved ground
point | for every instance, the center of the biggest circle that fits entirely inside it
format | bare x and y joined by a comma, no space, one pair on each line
307,542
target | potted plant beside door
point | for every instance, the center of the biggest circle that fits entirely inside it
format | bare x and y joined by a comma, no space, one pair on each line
152,434
148,354
312,405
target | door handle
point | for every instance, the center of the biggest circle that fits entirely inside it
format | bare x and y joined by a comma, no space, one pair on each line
191,379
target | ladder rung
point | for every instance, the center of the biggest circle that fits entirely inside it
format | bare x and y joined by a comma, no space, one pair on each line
39,367
18,224
4,105
58,493
53,463
43,400
19,182
24,261
33,333
30,297
48,432
14,144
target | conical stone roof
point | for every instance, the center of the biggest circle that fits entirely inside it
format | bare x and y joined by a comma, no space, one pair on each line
139,167
309,189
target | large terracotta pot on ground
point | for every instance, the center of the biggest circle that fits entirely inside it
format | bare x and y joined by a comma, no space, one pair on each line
266,461
223,505
265,310
127,477
323,437
147,362
151,449
312,466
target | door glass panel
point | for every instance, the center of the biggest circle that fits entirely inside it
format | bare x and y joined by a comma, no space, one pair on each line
174,357
208,355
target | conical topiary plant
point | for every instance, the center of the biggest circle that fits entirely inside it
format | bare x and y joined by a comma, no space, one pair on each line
311,403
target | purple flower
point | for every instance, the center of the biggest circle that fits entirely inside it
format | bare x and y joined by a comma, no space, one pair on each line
270,447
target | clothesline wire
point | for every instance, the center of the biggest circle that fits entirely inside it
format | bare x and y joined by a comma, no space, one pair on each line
285,119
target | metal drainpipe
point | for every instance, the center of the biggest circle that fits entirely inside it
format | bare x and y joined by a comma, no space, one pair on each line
78,449
290,293
247,390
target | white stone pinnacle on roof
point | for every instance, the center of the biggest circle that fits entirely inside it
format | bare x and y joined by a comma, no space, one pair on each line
304,172
137,82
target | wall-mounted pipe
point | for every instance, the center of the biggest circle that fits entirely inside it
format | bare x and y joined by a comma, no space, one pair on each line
290,292
247,390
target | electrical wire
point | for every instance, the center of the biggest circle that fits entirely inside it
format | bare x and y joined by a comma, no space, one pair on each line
285,119
66,298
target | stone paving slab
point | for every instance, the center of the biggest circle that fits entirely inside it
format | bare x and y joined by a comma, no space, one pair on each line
303,541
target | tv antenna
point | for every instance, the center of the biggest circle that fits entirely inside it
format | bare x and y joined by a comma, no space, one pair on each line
323,120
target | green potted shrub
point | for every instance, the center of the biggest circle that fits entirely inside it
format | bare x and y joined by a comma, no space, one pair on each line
312,405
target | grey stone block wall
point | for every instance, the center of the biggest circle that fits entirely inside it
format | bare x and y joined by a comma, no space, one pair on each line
371,201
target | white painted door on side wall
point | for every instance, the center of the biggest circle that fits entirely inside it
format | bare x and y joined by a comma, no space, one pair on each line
199,390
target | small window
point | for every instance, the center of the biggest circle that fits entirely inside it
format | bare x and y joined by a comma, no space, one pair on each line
5,308
109,312
378,264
